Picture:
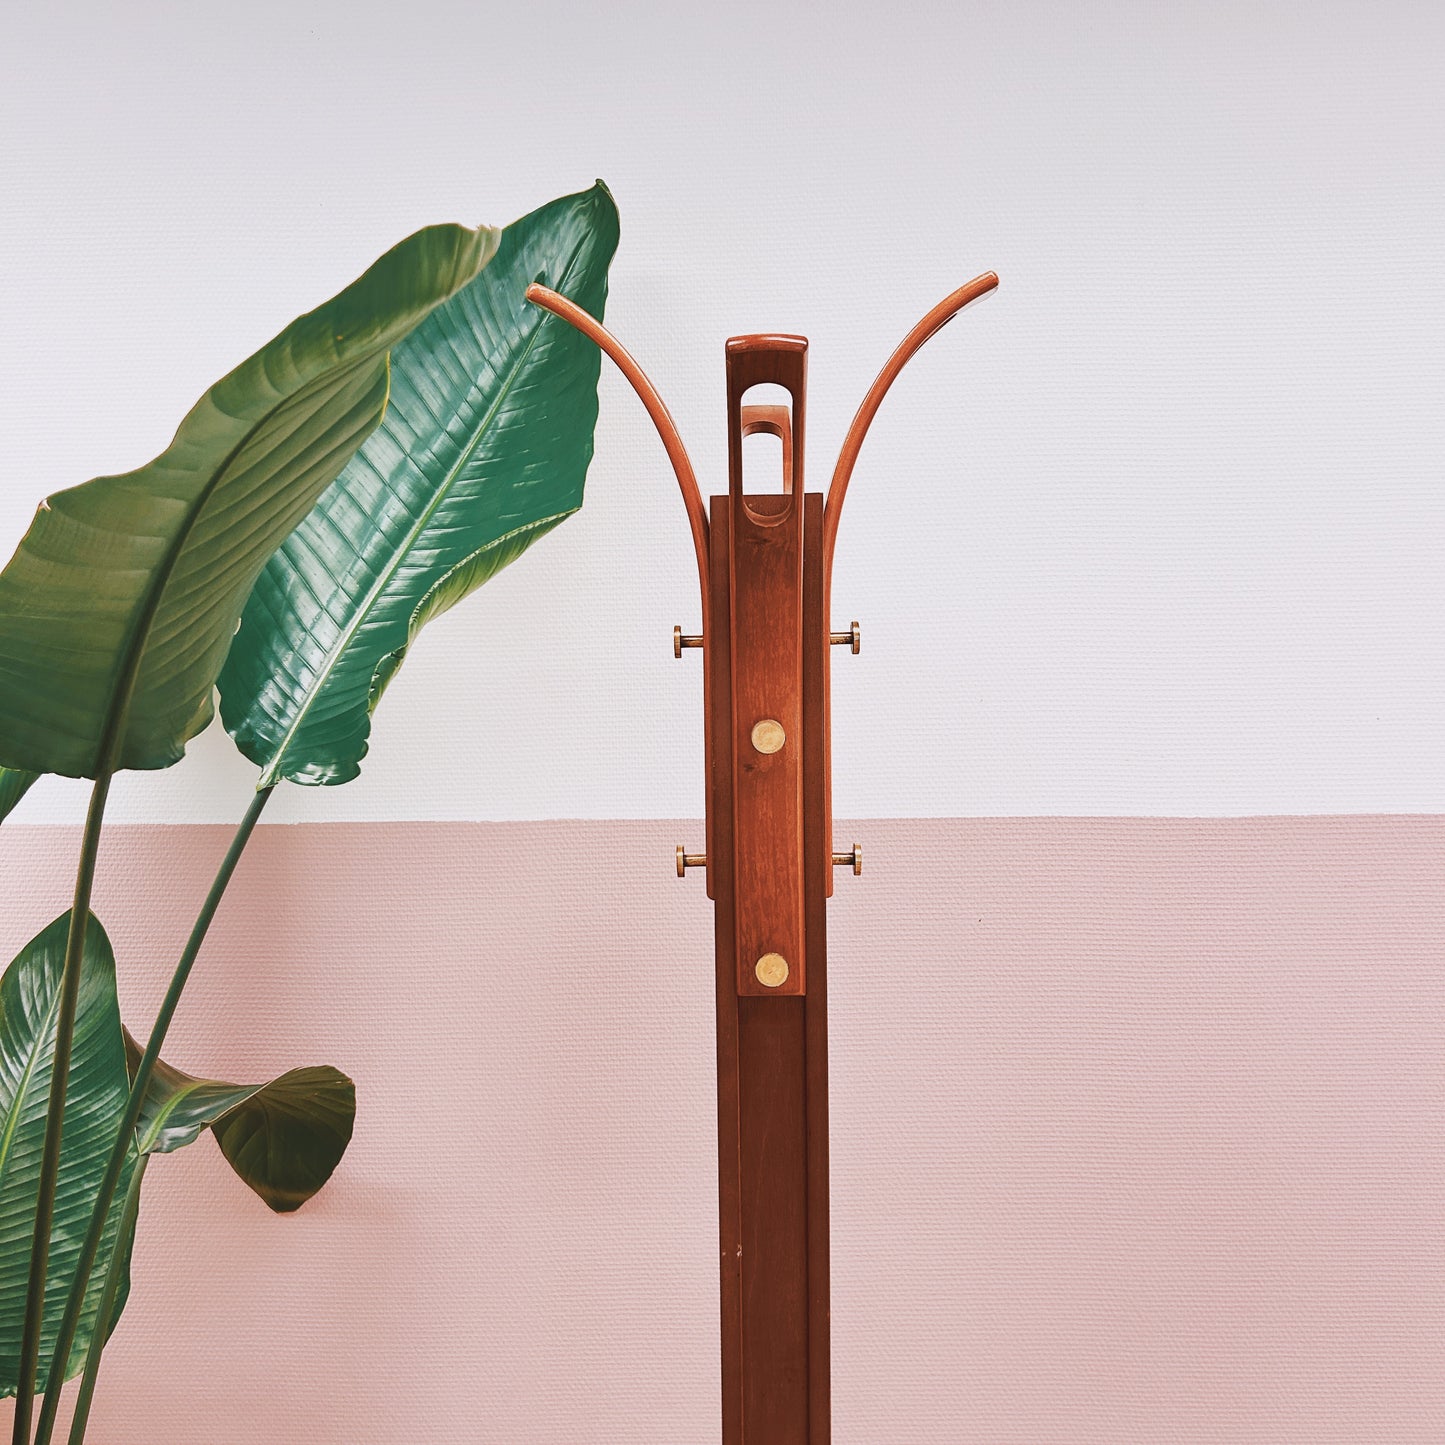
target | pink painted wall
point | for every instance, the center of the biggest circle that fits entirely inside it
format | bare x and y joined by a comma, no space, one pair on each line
1138,1134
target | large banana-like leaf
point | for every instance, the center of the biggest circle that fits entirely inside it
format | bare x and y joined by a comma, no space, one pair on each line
120,603
483,449
283,1138
96,1091
14,784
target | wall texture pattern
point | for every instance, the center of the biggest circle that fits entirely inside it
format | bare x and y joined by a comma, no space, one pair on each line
1136,1135
1139,1125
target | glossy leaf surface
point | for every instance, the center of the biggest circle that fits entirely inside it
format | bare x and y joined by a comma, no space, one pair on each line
14,784
483,449
283,1138
118,608
96,1091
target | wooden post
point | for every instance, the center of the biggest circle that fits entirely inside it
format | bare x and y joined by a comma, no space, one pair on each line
765,562
768,876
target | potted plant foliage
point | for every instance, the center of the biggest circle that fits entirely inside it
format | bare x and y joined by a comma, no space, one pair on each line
379,459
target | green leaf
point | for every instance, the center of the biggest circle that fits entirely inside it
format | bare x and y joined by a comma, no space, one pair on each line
120,603
483,449
283,1138
14,784
96,1091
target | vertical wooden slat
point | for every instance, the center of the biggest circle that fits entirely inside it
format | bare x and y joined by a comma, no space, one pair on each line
818,876
772,1055
772,1111
767,681
718,660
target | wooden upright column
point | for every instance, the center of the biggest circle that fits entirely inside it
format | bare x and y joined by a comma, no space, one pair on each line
768,872
765,563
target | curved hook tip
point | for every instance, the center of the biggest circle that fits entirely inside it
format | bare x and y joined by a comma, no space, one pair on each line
568,311
929,326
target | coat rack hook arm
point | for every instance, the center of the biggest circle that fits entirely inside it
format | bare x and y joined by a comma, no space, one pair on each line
647,393
932,323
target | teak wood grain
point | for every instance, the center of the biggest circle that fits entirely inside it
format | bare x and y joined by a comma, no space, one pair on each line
765,561
769,872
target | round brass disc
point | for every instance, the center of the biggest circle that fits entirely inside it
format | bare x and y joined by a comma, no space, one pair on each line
768,735
772,970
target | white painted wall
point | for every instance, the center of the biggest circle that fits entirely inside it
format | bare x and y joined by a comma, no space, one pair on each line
1158,529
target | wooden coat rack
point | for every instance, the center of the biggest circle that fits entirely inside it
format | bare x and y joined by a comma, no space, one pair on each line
765,564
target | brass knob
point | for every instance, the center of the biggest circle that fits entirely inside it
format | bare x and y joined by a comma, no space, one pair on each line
853,859
768,735
680,639
689,860
771,970
852,639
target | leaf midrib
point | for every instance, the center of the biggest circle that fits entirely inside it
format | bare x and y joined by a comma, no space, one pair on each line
146,1143
272,774
113,726
12,1121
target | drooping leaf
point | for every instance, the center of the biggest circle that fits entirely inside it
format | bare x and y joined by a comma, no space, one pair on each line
483,449
96,1090
14,784
283,1138
120,603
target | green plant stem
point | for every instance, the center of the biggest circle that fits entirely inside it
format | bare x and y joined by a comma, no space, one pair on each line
107,1304
125,1137
34,1321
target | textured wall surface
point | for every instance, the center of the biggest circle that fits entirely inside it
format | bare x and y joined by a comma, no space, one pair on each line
1151,531
1139,1122
1136,1135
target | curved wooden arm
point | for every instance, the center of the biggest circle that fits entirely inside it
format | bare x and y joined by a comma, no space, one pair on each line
595,332
936,319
